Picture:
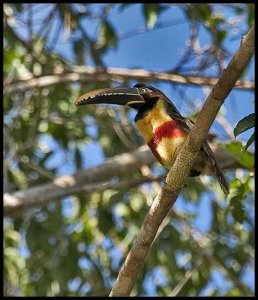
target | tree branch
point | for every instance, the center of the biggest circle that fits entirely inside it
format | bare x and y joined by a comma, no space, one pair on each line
183,281
15,203
66,185
181,168
86,74
82,181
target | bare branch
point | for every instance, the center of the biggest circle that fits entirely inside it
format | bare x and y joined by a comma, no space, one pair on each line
86,74
82,181
181,168
201,240
226,126
67,185
16,202
183,281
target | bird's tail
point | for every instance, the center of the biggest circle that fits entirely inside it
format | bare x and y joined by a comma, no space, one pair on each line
221,179
217,171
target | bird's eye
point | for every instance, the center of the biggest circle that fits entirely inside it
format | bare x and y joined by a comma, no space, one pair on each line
144,90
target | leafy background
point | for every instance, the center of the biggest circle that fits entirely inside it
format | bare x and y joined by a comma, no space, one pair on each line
74,246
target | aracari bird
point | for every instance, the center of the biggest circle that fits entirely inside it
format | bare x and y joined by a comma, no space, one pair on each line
161,124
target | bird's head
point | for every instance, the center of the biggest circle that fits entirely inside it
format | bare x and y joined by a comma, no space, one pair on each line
140,97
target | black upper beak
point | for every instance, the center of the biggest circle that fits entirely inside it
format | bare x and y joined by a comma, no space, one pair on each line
119,96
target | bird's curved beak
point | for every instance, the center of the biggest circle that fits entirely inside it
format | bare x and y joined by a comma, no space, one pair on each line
119,96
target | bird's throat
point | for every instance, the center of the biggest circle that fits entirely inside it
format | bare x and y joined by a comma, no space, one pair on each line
162,134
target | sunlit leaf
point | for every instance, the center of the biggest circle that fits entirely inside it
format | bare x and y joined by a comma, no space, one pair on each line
151,13
107,35
246,158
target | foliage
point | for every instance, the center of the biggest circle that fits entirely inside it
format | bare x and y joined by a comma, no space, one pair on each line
246,159
75,246
243,125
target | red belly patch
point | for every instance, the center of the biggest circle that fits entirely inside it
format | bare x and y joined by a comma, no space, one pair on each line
169,129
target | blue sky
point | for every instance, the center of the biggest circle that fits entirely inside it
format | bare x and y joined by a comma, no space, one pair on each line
159,50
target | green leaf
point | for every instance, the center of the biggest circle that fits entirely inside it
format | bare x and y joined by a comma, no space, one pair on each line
221,34
107,36
151,12
239,189
150,16
235,292
249,142
245,124
78,158
238,210
199,12
246,158
19,6
251,14
78,48
105,220
238,9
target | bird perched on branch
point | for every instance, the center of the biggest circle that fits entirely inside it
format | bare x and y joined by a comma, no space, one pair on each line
161,124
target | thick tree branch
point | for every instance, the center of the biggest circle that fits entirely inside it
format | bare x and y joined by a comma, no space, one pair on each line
94,179
66,185
16,203
86,74
179,172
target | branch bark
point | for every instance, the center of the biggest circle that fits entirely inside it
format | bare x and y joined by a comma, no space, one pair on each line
86,74
181,168
14,203
94,179
67,185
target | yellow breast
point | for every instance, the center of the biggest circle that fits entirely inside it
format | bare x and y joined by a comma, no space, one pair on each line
168,150
162,134
152,120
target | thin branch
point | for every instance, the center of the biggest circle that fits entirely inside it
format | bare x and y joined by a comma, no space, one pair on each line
226,126
229,275
183,281
86,74
179,172
201,240
119,130
41,171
